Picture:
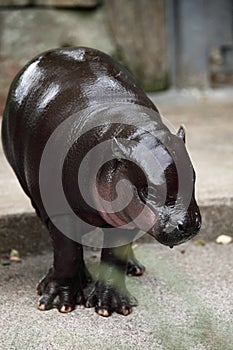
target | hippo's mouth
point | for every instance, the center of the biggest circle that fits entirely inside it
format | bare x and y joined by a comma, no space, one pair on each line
173,238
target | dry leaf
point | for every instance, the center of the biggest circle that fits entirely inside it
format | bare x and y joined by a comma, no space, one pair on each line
14,256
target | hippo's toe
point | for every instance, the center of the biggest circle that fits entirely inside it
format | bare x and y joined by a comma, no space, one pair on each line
134,267
106,299
63,295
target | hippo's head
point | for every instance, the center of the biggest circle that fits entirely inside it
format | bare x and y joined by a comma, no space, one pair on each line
163,182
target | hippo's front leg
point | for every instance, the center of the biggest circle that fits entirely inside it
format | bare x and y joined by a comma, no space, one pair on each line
63,285
110,294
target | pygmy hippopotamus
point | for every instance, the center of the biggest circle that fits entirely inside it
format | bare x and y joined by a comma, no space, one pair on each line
91,150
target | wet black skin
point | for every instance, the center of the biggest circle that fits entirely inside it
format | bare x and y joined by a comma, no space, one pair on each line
48,90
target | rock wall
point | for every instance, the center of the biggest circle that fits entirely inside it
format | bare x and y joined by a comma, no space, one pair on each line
131,31
139,32
62,3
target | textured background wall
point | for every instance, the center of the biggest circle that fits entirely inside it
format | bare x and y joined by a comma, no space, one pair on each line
131,31
64,3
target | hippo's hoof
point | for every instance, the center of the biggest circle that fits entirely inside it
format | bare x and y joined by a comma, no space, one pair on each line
54,294
106,300
134,268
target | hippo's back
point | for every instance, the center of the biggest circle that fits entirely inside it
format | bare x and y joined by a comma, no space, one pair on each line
50,88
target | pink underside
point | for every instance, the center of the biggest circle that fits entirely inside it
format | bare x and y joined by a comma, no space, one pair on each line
133,210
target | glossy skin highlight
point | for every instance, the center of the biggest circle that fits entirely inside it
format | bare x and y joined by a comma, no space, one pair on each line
49,89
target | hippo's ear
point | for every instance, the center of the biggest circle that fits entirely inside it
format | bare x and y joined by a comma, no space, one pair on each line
119,150
181,133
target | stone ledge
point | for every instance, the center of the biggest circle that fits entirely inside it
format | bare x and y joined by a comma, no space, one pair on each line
23,232
27,234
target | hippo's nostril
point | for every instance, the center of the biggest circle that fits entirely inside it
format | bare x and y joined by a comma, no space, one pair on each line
180,226
198,224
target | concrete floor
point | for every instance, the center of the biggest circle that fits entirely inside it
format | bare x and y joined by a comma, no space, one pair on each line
185,303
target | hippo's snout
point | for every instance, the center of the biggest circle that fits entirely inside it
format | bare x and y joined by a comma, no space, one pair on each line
176,232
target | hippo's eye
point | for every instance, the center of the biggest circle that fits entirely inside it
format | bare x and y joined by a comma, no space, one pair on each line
148,193
152,192
143,194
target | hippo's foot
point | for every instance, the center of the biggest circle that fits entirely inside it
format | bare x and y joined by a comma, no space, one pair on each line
134,267
106,299
61,294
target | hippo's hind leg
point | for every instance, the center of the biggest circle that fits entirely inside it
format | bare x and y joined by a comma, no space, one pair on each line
63,286
134,267
110,294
